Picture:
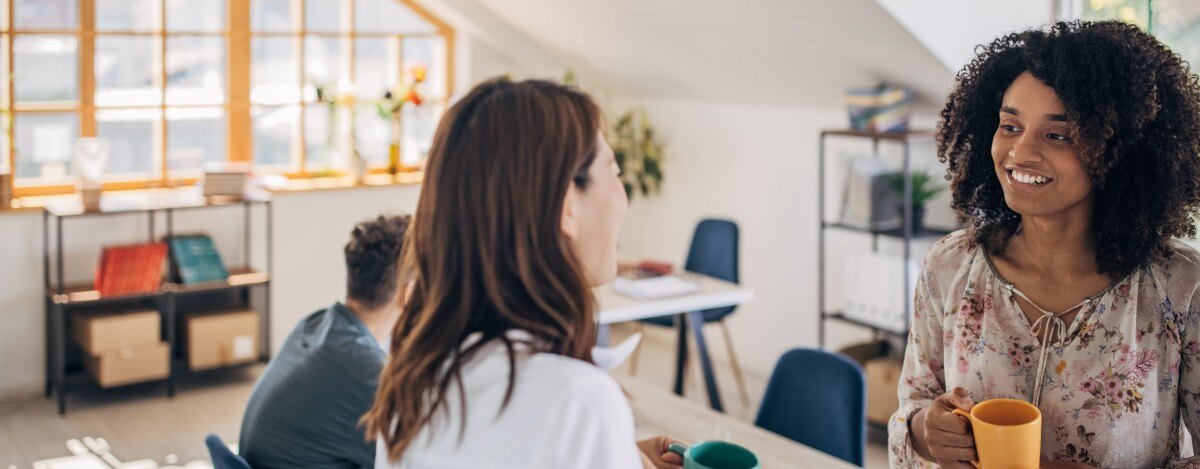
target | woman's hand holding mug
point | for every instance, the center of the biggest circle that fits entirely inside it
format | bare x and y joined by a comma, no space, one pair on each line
946,437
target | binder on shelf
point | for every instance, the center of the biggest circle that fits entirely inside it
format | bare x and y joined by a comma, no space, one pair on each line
131,269
196,259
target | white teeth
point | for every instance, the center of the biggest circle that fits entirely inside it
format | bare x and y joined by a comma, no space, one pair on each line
1029,178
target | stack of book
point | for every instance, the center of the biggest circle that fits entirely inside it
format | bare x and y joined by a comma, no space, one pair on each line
880,108
231,183
196,259
131,269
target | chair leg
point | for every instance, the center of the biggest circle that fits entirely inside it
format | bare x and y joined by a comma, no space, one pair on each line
633,361
733,362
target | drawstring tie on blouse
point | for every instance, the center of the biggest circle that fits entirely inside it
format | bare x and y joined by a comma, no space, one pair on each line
1050,330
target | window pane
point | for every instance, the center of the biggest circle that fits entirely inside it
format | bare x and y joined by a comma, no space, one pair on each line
192,15
322,15
195,70
46,68
274,131
195,136
273,72
271,15
1132,11
130,134
429,52
44,143
125,71
376,66
371,131
1177,24
388,16
324,139
46,14
127,15
323,63
420,122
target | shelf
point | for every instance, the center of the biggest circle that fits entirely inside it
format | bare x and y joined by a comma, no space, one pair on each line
180,367
894,232
912,135
837,316
151,201
86,294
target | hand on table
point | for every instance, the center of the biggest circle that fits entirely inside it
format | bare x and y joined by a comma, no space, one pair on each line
655,454
948,436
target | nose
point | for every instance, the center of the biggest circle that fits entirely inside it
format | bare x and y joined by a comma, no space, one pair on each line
1025,149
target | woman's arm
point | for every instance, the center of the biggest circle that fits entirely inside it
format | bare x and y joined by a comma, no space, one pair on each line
1189,374
922,380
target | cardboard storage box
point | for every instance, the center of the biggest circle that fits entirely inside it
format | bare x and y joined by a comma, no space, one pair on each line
883,379
99,332
128,365
222,338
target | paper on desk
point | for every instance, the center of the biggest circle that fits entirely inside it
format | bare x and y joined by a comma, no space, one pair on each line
608,358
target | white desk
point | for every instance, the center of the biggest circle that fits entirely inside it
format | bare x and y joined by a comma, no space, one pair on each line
615,307
657,412
714,293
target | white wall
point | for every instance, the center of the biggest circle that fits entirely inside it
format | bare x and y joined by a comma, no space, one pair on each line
951,29
756,165
310,229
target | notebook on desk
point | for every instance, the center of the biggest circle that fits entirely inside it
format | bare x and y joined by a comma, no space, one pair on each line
654,287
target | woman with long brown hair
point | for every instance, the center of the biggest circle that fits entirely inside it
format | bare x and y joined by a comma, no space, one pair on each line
491,361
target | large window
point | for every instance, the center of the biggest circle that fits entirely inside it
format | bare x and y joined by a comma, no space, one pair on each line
175,84
1175,22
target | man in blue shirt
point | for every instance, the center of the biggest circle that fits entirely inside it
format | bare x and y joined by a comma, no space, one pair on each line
304,411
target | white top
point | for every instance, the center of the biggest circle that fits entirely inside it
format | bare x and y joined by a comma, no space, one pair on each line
563,413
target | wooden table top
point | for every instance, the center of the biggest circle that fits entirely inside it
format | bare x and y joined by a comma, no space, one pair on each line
659,412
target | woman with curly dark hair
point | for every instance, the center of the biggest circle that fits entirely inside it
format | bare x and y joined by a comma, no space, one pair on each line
1074,161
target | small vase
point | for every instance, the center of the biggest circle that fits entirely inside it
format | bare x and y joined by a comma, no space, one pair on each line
6,189
918,219
397,131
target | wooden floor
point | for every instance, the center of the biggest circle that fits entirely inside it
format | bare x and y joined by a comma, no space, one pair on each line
141,422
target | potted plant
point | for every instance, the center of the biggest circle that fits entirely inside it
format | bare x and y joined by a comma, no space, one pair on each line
924,189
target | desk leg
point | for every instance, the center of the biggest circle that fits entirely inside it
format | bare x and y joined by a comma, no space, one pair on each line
602,339
681,352
696,320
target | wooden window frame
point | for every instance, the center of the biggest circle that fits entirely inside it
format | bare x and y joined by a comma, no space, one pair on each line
237,106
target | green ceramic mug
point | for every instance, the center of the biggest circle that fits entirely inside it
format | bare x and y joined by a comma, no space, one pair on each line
715,455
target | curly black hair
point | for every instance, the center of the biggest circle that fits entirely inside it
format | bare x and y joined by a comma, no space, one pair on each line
1134,112
372,256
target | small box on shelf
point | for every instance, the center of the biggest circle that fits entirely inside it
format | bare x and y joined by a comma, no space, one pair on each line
221,338
129,365
103,331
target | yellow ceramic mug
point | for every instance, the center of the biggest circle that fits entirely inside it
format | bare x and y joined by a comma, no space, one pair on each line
1008,434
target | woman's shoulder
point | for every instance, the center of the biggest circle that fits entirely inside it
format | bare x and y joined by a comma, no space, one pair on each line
1181,265
565,373
952,249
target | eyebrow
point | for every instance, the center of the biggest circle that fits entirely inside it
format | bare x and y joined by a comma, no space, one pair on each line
1050,117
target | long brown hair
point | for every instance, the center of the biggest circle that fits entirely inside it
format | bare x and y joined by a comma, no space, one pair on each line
485,252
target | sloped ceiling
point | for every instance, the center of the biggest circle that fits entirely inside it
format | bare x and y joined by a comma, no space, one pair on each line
785,52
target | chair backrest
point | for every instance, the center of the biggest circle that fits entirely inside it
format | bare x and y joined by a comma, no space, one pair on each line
714,252
819,399
222,457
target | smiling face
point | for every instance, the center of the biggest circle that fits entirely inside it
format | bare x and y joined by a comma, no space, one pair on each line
1035,159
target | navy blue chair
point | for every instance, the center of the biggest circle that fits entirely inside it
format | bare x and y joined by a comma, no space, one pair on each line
818,398
222,457
714,252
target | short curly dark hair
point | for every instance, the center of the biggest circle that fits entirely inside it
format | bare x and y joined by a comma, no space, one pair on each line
1134,112
372,256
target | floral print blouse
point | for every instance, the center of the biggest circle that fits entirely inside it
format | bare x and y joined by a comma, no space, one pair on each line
1115,393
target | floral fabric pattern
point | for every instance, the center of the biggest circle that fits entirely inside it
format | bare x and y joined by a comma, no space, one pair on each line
1116,393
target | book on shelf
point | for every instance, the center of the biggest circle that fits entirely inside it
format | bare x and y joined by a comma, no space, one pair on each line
130,269
196,259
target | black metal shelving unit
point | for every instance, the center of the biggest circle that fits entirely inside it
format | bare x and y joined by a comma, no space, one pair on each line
63,372
905,233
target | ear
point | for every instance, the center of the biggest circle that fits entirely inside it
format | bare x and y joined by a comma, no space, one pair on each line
569,223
